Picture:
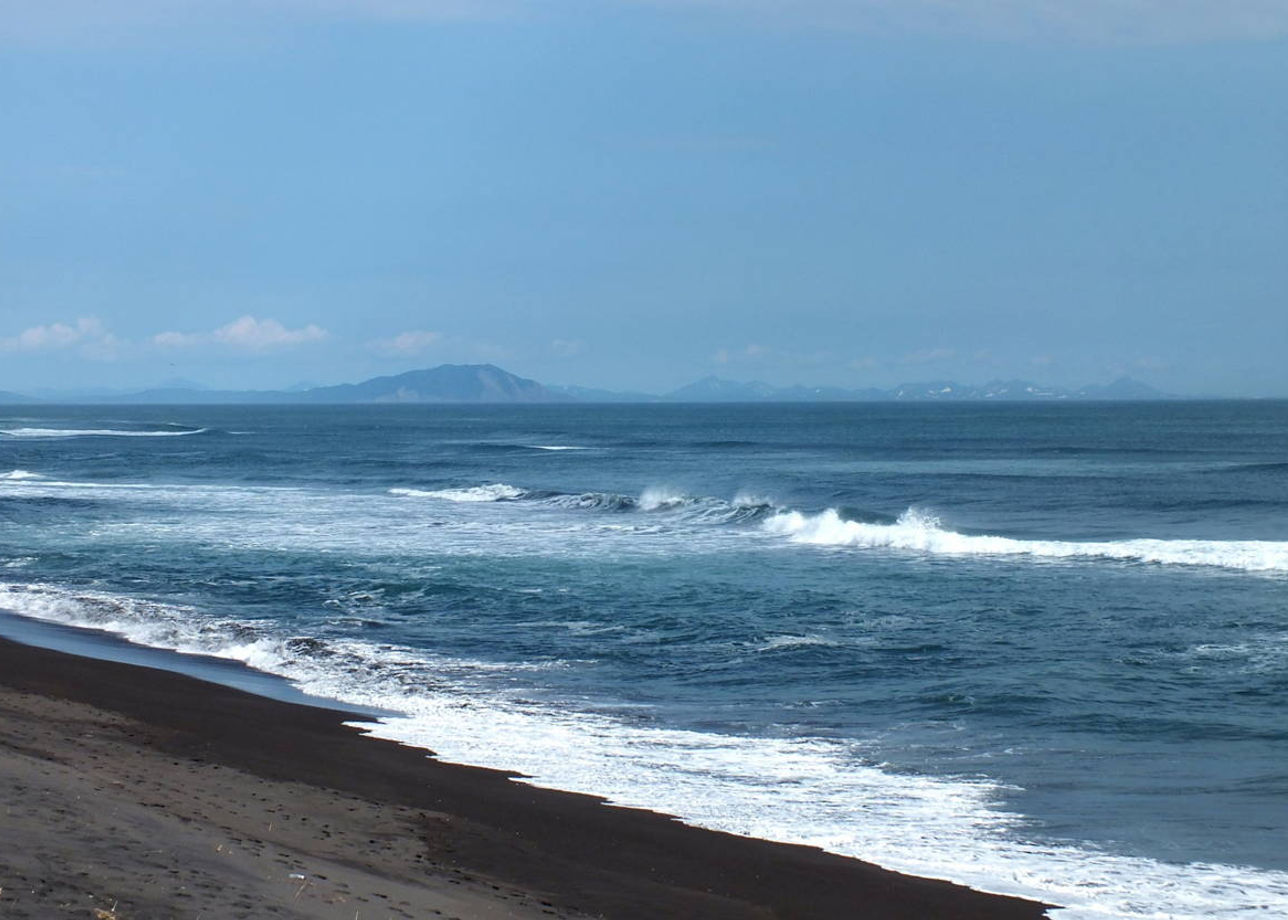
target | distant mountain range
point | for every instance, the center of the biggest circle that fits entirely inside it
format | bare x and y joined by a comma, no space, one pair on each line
485,383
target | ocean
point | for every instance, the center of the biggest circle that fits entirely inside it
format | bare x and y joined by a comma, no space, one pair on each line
1040,649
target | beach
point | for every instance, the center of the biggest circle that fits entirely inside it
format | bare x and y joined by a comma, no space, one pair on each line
137,793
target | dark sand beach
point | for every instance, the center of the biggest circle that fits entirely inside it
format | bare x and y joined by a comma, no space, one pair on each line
137,793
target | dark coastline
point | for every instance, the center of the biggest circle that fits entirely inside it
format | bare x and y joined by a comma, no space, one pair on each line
570,853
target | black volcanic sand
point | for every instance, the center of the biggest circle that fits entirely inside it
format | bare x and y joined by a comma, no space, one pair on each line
136,793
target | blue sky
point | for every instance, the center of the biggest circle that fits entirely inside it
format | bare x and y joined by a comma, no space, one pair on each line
636,194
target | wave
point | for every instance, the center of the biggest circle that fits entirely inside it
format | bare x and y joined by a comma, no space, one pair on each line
590,501
21,476
778,643
558,447
493,492
1275,467
52,433
807,790
653,500
922,532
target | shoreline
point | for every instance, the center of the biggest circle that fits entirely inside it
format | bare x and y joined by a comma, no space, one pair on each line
165,795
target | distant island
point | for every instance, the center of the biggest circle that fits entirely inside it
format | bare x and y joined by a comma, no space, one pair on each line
486,383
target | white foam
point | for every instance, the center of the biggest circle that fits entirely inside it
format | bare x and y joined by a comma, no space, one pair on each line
20,476
92,432
662,498
813,791
921,532
559,447
492,492
776,643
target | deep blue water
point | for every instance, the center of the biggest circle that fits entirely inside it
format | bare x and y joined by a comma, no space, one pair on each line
1037,648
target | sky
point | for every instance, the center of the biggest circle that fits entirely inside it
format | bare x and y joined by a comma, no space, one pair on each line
633,194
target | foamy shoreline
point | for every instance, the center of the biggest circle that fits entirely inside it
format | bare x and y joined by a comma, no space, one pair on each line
204,798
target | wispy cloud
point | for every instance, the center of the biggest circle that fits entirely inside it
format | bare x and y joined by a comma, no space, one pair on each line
411,342
87,336
567,348
247,334
749,352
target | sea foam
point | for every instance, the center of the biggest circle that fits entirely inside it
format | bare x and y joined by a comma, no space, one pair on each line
492,492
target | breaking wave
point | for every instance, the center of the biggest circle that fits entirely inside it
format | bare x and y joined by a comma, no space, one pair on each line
653,500
919,531
51,433
493,492
21,476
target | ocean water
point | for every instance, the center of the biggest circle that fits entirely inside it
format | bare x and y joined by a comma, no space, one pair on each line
1039,649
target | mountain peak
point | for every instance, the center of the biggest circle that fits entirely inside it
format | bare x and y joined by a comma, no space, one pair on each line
447,383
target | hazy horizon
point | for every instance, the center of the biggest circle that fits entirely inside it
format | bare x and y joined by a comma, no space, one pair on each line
637,194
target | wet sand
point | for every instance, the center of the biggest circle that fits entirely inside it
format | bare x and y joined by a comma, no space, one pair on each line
128,792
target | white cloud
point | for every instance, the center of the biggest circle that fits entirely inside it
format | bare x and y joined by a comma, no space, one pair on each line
246,333
256,334
567,348
411,342
750,352
87,335
176,339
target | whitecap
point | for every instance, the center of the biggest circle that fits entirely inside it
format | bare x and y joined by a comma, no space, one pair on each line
491,492
777,643
920,531
662,498
51,433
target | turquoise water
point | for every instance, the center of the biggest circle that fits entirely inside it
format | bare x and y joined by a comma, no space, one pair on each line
1042,649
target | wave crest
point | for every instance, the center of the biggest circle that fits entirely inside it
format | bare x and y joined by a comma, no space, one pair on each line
490,492
921,531
50,433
